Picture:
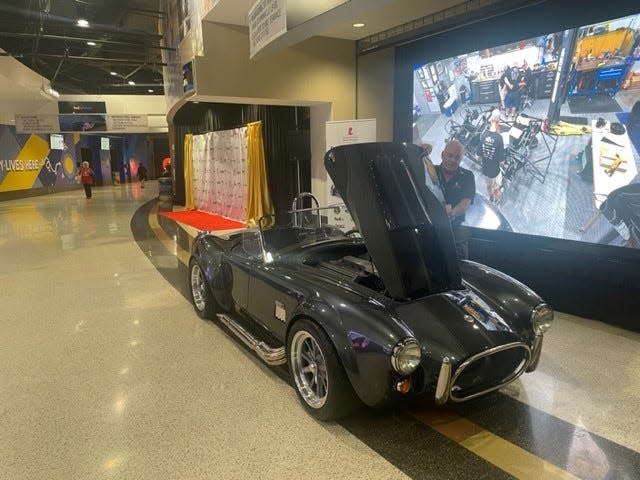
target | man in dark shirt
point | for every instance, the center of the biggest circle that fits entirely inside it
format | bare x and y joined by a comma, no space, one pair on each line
512,98
502,87
459,188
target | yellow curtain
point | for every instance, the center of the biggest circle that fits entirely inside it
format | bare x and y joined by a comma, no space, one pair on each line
188,169
258,198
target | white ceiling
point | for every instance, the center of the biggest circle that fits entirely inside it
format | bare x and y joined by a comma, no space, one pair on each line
377,15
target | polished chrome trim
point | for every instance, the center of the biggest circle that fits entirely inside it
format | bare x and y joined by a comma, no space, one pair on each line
198,287
488,353
536,351
535,312
444,380
394,355
294,208
269,355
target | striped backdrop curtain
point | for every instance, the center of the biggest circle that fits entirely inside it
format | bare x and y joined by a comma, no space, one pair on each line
219,173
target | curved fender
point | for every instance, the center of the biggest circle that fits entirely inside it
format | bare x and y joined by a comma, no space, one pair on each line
505,294
217,271
363,337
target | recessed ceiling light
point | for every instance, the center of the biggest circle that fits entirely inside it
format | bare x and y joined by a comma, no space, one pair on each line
113,73
82,23
131,82
358,25
150,90
91,44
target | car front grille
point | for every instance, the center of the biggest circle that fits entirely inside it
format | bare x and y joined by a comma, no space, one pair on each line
489,371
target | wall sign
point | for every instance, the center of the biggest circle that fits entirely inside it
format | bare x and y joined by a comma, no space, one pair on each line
344,133
82,107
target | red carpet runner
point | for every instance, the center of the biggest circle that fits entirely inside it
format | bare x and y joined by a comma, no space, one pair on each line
202,220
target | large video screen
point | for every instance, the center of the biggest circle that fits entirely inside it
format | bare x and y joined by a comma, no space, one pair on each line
550,127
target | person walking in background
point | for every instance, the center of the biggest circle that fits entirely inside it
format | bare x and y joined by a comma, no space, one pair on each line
86,178
142,174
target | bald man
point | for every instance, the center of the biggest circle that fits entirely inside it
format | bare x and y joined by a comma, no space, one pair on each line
459,188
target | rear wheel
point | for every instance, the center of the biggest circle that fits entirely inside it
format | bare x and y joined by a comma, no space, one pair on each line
320,380
201,297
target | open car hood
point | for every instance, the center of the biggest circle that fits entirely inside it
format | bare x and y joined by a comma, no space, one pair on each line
398,210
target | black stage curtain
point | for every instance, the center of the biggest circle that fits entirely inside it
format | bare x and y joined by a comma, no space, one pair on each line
278,123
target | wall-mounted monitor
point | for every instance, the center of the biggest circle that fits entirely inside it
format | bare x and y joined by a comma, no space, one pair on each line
569,129
56,141
187,77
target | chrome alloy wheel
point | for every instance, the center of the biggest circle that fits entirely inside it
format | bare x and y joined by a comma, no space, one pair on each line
198,286
309,369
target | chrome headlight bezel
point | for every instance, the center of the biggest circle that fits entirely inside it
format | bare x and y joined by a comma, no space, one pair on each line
541,318
406,356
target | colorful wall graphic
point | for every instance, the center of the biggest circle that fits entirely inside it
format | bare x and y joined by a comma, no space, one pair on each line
27,160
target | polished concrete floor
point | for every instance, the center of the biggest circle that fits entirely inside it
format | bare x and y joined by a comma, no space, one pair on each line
107,372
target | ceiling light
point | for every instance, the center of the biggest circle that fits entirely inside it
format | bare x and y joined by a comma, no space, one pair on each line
82,23
358,25
131,82
150,90
91,44
113,74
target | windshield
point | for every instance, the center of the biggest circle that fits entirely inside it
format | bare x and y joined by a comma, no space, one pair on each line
276,240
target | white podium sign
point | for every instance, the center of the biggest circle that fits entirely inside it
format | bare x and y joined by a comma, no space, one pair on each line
338,133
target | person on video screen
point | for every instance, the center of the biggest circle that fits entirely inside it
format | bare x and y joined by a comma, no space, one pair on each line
492,154
459,188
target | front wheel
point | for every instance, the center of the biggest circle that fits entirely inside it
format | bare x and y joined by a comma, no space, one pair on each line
320,380
201,297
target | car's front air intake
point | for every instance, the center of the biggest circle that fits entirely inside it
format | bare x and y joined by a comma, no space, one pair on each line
489,371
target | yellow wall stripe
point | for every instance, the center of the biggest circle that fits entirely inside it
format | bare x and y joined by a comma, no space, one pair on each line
36,148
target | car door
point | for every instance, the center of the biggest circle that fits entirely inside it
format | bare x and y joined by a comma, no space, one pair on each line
273,296
245,255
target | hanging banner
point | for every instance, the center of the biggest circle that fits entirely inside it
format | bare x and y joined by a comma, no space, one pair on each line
267,21
344,133
37,123
127,123
82,123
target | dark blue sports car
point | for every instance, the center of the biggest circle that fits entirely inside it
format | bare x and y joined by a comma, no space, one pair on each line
369,318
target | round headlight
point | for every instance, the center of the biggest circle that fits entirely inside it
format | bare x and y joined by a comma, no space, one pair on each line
541,318
406,356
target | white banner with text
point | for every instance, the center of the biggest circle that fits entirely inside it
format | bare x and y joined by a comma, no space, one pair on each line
267,21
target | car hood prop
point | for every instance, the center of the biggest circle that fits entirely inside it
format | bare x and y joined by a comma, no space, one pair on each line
396,205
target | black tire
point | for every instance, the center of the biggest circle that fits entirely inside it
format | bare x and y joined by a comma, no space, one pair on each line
203,302
319,378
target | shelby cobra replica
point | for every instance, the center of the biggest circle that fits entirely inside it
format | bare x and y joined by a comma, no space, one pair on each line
390,313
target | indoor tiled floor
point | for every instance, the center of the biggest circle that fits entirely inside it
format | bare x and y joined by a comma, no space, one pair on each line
107,372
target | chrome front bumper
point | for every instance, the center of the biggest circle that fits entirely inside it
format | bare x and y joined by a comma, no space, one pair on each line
446,385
